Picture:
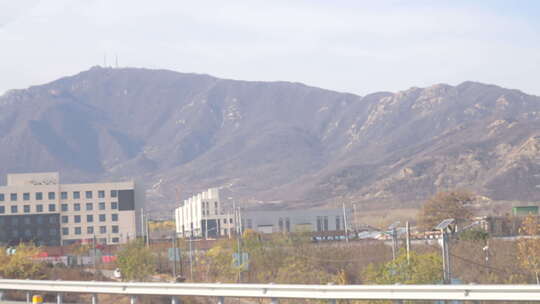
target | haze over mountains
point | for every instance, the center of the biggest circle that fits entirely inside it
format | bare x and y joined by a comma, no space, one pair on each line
274,141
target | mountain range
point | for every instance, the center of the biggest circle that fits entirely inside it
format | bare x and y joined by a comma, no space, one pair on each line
274,144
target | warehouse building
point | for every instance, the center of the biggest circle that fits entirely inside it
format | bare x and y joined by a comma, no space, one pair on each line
37,207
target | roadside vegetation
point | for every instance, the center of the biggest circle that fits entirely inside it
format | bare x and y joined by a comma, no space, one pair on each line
297,259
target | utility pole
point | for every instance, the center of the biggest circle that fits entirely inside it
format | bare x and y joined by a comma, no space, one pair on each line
191,258
235,220
446,258
393,234
355,218
240,221
174,255
147,228
95,255
394,243
408,242
142,226
239,260
345,224
229,223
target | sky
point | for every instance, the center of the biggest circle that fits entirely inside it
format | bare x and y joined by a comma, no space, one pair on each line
351,46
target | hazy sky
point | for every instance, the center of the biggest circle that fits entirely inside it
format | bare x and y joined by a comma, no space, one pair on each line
354,46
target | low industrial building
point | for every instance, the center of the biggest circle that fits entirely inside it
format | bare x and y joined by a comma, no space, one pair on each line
204,216
37,207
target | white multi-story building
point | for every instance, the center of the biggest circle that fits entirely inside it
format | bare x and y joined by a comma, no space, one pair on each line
203,216
37,207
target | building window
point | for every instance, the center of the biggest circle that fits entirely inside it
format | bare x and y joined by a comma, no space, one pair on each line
77,207
101,194
52,207
114,229
53,232
63,195
338,223
27,221
39,196
90,230
14,221
114,217
13,197
39,208
40,221
2,209
102,217
115,240
89,206
2,198
88,194
52,195
64,207
89,218
114,193
319,223
325,223
52,220
102,229
13,209
77,219
101,206
27,233
65,219
78,230
26,208
26,196
76,195
114,206
65,231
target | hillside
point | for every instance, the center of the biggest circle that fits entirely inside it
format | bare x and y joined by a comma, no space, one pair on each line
274,141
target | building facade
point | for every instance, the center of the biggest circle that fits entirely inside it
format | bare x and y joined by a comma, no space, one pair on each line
37,207
203,215
317,221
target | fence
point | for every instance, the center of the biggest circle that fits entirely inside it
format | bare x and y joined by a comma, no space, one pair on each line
278,291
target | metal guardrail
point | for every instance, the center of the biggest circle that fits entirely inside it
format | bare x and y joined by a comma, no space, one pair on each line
278,291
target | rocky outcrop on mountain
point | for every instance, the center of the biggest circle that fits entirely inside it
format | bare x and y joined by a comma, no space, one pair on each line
274,141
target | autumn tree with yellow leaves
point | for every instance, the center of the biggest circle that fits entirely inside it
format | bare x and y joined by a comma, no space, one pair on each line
529,246
443,205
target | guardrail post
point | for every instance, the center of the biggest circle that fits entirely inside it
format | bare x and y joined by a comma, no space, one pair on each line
133,299
175,300
94,299
1,295
59,298
28,301
221,300
274,301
